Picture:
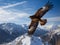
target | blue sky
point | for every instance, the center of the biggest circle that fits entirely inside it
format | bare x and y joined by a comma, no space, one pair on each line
18,11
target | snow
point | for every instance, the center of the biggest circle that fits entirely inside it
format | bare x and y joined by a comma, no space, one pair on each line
26,40
29,40
32,40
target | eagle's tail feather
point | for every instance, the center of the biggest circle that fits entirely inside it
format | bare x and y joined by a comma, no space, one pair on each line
43,21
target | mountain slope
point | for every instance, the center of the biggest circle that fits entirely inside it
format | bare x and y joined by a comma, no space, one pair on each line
9,31
26,40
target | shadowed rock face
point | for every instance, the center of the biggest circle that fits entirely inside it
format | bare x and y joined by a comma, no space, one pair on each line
55,40
58,42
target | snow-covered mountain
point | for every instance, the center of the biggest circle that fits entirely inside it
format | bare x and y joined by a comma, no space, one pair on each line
26,40
11,28
31,40
10,32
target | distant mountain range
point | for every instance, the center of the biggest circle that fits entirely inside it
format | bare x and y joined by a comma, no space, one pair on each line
10,31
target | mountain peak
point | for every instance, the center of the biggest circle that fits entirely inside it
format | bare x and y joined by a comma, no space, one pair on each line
26,40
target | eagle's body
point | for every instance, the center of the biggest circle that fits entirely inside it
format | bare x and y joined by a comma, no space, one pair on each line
36,18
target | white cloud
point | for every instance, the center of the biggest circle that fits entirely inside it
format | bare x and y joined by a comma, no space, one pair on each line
54,19
9,16
12,5
12,16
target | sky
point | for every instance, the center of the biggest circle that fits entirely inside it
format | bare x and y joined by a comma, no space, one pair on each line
18,11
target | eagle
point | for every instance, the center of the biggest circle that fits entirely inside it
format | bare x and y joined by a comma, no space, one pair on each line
37,17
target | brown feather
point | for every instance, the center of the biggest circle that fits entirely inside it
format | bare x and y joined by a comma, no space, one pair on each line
33,26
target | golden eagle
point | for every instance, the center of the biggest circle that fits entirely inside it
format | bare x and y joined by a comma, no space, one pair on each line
36,18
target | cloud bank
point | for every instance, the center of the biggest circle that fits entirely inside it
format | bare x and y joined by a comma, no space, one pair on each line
54,19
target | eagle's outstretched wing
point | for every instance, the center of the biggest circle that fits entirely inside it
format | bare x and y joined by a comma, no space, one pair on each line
44,9
33,26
